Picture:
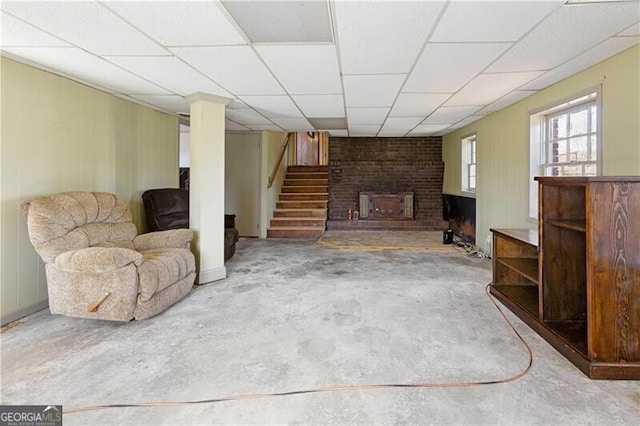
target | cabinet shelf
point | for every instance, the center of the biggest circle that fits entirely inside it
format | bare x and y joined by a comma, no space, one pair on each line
573,332
579,225
526,266
525,296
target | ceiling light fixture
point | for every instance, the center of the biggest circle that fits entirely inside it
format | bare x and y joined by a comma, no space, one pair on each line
282,21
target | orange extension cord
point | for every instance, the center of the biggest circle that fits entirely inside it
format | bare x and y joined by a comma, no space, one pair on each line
330,388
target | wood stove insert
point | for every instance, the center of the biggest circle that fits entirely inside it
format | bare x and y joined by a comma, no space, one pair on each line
386,205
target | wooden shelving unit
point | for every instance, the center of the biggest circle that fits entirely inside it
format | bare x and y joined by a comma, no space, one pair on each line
584,297
515,270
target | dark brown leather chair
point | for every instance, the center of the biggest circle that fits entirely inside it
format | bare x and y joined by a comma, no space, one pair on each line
168,208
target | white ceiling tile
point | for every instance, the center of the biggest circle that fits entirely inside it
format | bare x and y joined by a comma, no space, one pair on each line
450,115
391,133
591,57
367,115
416,104
246,116
487,88
267,127
488,21
328,123
633,30
306,70
372,90
427,129
339,133
461,62
401,123
237,104
321,106
230,125
167,22
86,24
466,121
293,124
83,66
505,101
363,129
273,106
566,33
235,68
19,34
372,128
303,21
382,36
162,71
170,103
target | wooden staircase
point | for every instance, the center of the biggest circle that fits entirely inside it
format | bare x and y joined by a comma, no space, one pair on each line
301,209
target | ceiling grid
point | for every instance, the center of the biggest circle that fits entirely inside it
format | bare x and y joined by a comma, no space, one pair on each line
393,68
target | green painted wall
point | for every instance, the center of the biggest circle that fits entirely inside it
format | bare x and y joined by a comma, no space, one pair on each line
503,141
59,135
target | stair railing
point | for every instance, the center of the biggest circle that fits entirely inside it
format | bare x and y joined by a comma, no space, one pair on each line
276,168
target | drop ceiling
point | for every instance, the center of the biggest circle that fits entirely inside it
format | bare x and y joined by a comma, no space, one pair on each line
356,68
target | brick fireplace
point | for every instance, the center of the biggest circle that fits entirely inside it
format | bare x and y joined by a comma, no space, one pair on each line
401,177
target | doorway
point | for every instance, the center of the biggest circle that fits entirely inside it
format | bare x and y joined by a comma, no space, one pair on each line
242,181
310,149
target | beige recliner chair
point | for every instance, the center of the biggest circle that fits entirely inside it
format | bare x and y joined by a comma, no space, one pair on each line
96,264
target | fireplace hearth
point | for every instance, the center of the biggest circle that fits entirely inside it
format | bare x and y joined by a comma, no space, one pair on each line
386,205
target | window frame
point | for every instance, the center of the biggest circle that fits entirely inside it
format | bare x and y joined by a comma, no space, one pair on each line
550,140
470,140
538,141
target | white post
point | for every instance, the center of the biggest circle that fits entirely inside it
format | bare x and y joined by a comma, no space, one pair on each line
206,184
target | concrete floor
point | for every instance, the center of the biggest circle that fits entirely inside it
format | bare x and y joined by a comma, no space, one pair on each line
293,315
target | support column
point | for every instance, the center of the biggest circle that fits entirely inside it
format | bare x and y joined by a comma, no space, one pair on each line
206,184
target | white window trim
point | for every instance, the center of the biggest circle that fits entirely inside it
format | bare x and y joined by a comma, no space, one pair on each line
537,139
464,175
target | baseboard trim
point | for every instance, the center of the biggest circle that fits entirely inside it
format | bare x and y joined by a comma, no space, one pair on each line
21,313
210,275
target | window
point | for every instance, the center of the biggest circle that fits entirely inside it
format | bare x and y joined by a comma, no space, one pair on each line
469,163
564,141
571,141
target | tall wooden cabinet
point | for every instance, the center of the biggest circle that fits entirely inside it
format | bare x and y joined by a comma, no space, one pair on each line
585,298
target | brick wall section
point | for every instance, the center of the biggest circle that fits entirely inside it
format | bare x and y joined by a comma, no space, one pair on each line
386,164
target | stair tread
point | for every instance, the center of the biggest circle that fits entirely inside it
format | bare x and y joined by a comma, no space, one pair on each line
302,218
296,210
299,217
302,201
296,228
307,193
305,186
317,213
